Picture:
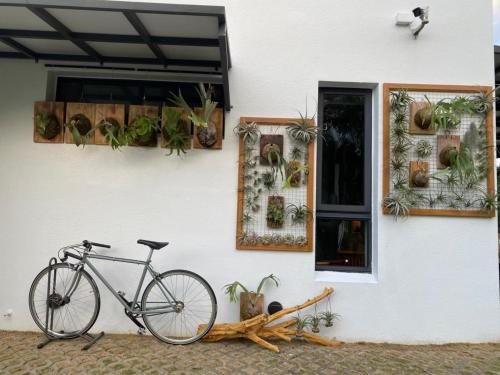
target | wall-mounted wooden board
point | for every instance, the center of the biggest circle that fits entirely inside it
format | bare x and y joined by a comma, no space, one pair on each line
57,108
143,110
104,111
307,197
444,142
86,109
416,166
218,120
186,127
414,128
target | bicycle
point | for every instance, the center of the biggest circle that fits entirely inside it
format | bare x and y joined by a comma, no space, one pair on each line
177,306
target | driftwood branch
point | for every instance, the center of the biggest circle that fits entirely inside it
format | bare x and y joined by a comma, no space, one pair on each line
257,330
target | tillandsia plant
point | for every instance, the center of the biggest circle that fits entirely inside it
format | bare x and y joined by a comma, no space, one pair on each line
423,149
294,169
298,213
400,100
275,158
268,180
304,130
207,105
489,201
47,125
398,204
482,102
174,132
248,132
80,127
232,289
329,317
275,214
143,130
301,324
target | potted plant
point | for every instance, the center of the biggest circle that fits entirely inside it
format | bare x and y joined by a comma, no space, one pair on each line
275,215
47,125
251,303
175,131
143,130
206,129
80,127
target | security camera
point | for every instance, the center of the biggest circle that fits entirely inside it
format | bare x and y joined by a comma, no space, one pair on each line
421,19
415,21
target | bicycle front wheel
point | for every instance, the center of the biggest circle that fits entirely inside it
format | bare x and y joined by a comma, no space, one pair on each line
196,307
68,317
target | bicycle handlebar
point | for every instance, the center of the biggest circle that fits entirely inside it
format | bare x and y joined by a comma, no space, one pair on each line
86,243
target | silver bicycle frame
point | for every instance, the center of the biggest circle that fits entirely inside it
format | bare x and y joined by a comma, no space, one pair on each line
171,300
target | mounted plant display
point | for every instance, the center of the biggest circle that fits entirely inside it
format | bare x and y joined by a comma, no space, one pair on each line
176,131
110,120
48,122
450,130
143,126
207,119
251,303
273,193
80,118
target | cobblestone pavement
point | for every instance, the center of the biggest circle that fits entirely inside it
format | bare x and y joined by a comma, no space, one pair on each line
128,354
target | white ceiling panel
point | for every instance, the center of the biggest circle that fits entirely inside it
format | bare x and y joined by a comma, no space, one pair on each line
178,25
191,53
6,48
89,21
122,49
51,46
20,18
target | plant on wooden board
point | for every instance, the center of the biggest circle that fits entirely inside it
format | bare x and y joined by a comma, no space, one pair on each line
175,132
275,214
274,157
251,303
112,132
47,125
248,132
80,127
143,130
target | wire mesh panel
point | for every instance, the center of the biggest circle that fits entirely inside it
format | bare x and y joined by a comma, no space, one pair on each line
264,185
439,170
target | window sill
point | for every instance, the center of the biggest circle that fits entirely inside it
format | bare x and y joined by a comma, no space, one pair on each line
345,277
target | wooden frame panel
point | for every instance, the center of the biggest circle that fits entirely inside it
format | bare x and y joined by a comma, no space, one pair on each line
143,110
57,108
102,111
490,180
310,186
218,118
87,109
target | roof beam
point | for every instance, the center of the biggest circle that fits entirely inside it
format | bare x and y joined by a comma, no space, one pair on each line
224,60
114,59
64,31
111,38
20,48
143,32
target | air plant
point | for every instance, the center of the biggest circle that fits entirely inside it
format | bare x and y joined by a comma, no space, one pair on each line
301,241
398,163
296,153
298,213
431,200
400,118
251,203
288,239
248,132
400,146
399,182
207,105
423,149
397,204
47,125
232,288
315,321
268,180
177,139
294,171
329,318
276,161
482,102
400,99
301,324
276,239
247,218
304,130
275,214
489,201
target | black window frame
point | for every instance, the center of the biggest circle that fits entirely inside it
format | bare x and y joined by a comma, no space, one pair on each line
348,212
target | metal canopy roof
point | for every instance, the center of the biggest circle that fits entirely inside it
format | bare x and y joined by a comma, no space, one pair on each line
104,33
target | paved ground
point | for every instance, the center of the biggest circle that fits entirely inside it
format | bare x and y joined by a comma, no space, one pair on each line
127,354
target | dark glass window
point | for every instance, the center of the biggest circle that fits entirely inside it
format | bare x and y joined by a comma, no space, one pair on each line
343,209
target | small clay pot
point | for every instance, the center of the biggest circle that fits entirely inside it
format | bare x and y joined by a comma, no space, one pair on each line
447,154
423,118
81,123
52,126
420,178
207,136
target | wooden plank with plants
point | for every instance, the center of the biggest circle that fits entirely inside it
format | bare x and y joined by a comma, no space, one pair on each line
209,137
80,119
143,125
109,121
454,171
275,183
48,122
175,130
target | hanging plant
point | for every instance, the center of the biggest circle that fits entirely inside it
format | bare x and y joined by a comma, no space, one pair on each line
80,127
175,132
47,125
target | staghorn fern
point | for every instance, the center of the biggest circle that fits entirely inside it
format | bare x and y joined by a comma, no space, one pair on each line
207,105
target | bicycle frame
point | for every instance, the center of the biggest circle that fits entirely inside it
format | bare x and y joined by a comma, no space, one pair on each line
84,260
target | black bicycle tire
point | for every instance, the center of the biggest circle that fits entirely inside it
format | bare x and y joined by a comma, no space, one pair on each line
92,321
210,324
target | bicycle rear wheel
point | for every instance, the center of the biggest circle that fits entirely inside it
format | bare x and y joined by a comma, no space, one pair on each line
73,317
197,307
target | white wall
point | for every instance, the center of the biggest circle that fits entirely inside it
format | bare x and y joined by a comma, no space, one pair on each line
436,279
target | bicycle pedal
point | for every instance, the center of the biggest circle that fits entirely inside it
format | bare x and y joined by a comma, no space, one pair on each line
141,331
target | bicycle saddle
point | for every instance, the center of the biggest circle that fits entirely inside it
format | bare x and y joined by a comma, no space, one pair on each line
153,244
